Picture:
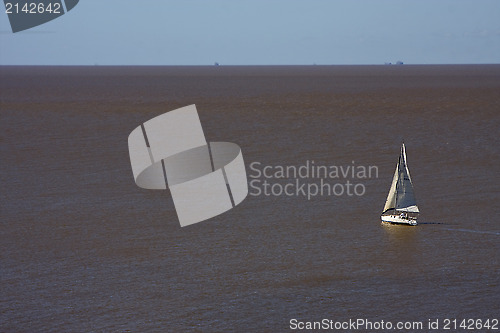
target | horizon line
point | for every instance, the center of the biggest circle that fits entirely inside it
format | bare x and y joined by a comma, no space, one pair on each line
252,65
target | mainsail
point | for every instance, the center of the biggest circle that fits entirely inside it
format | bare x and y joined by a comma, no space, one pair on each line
401,196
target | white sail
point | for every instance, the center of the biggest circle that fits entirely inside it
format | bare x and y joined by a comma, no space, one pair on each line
405,197
401,196
390,203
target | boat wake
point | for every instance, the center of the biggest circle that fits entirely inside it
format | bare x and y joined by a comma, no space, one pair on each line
474,231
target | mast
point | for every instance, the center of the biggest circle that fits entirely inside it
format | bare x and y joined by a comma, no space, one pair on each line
399,174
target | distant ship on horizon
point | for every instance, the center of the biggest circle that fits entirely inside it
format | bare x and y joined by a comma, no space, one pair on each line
399,62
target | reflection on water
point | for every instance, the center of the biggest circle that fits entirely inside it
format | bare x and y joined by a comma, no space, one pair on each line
400,234
402,242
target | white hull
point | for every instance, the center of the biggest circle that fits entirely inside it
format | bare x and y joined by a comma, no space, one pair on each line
397,219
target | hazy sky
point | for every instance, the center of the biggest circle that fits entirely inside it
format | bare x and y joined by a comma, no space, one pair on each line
260,32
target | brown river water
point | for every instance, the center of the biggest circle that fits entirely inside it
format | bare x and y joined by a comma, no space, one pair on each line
83,249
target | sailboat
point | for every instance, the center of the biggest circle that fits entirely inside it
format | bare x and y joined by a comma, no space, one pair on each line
401,206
